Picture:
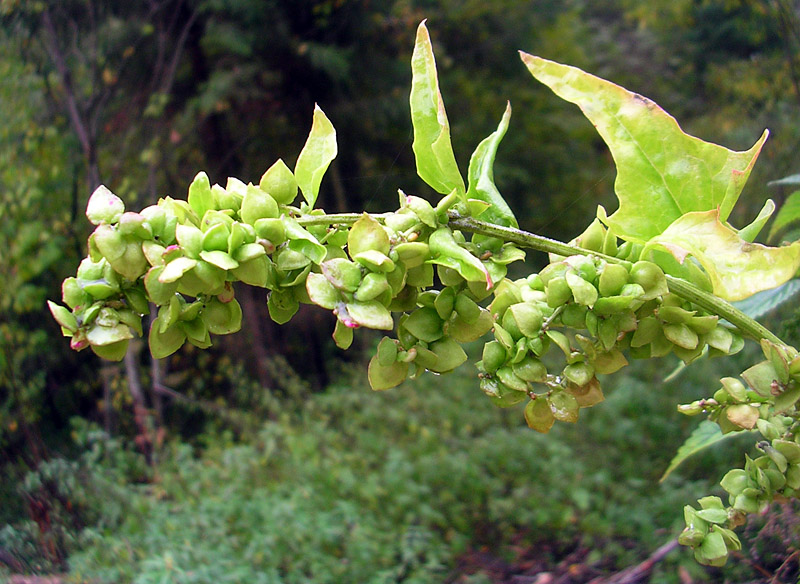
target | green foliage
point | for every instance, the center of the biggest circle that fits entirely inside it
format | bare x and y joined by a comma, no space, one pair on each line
578,306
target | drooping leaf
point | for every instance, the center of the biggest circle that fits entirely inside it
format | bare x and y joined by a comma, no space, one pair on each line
705,435
662,172
433,151
788,214
319,151
737,269
481,177
764,302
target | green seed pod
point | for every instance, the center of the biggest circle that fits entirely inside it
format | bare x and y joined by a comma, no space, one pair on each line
282,305
467,308
703,324
647,330
104,207
401,221
674,314
465,332
539,416
413,253
633,290
528,318
374,260
551,271
449,355
222,318
510,379
574,316
650,277
511,326
609,305
373,285
256,205
425,324
584,267
422,209
445,302
387,352
271,229
113,352
612,279
494,356
135,225
530,369
367,234
256,272
427,298
420,277
535,282
582,291
137,300
579,373
610,244
448,276
153,253
109,242
280,183
558,292
564,406
63,317
593,238
681,335
220,259
505,294
321,292
342,274
607,333
216,237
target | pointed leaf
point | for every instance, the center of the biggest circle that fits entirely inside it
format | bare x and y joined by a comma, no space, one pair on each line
737,269
662,172
750,232
788,214
320,149
705,435
481,177
436,163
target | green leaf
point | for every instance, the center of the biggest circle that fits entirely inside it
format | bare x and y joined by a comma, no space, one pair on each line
750,232
662,173
481,177
436,163
737,269
788,214
320,149
764,302
104,207
705,435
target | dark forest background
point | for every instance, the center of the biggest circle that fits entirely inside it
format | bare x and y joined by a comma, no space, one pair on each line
140,95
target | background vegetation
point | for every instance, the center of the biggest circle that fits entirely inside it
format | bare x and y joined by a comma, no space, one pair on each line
120,473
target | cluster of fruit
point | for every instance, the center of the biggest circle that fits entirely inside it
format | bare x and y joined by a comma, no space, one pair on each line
590,310
185,256
765,401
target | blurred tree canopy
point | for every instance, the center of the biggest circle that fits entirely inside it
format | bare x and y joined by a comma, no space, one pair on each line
141,95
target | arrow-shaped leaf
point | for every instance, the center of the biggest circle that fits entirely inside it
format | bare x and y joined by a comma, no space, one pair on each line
737,269
436,163
481,177
662,172
319,150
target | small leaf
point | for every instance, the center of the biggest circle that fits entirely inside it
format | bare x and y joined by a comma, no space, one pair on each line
381,377
750,232
319,151
104,206
371,314
662,173
436,163
788,214
481,177
705,435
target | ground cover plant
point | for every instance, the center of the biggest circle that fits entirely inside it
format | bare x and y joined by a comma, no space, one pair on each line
653,278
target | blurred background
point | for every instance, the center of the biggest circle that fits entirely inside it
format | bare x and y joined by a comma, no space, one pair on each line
267,458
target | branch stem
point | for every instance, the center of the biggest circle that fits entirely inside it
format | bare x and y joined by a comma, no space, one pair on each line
746,325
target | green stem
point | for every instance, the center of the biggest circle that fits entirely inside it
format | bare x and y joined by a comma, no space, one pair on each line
748,326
